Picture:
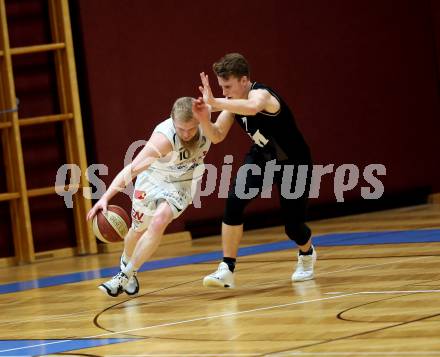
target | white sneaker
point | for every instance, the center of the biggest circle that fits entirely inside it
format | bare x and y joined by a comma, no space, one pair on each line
304,268
115,285
222,278
132,287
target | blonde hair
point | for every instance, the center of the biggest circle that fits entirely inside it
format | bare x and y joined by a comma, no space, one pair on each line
182,109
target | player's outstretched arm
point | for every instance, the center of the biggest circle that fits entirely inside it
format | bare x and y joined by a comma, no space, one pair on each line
216,132
158,146
257,101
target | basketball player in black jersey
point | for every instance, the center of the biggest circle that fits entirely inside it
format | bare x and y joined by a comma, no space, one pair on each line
267,119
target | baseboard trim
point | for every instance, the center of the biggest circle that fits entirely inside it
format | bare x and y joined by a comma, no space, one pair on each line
7,262
55,254
434,198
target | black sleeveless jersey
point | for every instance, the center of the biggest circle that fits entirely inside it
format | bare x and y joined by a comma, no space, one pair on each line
275,135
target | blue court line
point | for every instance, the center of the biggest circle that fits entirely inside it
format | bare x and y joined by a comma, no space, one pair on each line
43,347
337,239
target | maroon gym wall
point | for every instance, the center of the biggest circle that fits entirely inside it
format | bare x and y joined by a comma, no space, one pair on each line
359,75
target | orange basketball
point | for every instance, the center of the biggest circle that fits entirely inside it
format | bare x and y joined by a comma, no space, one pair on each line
112,226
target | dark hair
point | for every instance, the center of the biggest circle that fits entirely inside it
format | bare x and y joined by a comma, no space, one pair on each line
232,64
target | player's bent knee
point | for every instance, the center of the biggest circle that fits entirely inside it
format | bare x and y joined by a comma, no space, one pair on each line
300,233
160,222
133,234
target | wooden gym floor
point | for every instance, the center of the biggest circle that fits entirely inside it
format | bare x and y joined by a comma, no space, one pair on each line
376,293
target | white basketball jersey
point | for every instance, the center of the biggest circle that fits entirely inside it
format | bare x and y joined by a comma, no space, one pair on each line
181,164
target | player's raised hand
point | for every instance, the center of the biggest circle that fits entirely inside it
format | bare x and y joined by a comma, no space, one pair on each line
200,110
205,89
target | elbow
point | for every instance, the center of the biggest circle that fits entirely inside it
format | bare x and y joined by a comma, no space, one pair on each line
219,138
134,170
253,111
255,106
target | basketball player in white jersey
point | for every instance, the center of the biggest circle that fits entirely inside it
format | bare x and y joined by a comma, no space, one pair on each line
167,170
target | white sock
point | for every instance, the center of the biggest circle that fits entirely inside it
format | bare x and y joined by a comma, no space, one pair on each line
128,270
125,258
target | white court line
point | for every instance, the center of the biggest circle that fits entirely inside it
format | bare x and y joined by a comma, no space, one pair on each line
400,291
347,269
212,317
59,317
355,353
218,316
182,322
49,318
295,353
188,354
369,266
389,292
